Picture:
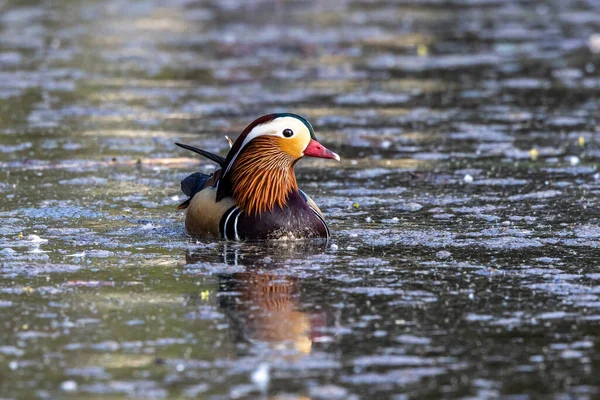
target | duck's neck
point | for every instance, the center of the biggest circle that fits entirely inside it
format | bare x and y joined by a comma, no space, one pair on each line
262,177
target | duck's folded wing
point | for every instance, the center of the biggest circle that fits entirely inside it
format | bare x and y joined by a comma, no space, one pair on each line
312,204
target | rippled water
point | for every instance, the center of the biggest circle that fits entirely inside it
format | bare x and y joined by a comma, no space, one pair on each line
464,259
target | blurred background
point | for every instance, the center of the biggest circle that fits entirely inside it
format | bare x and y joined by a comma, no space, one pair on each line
464,212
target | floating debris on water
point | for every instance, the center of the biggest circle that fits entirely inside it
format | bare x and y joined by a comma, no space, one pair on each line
573,160
534,154
69,386
261,377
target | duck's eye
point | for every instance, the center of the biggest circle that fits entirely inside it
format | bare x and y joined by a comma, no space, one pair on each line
288,132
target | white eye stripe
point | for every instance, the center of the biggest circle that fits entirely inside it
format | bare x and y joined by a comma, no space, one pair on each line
272,128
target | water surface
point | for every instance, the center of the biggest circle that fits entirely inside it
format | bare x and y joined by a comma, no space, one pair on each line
464,258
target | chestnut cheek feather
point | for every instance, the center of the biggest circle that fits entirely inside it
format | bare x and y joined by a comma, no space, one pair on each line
316,149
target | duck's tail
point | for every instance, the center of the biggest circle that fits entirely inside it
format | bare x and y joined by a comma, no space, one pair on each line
184,205
196,181
211,156
192,185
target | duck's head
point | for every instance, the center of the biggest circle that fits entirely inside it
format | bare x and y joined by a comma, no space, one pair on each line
290,135
262,159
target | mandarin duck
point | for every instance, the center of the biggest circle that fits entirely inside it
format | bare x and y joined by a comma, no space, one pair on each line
254,194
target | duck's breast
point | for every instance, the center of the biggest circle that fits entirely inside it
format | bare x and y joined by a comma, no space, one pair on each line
296,220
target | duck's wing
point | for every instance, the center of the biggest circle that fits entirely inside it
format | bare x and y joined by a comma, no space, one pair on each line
311,203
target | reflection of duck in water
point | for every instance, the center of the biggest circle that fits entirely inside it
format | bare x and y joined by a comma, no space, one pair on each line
267,310
266,307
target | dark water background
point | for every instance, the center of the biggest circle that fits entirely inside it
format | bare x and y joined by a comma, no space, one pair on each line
465,252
